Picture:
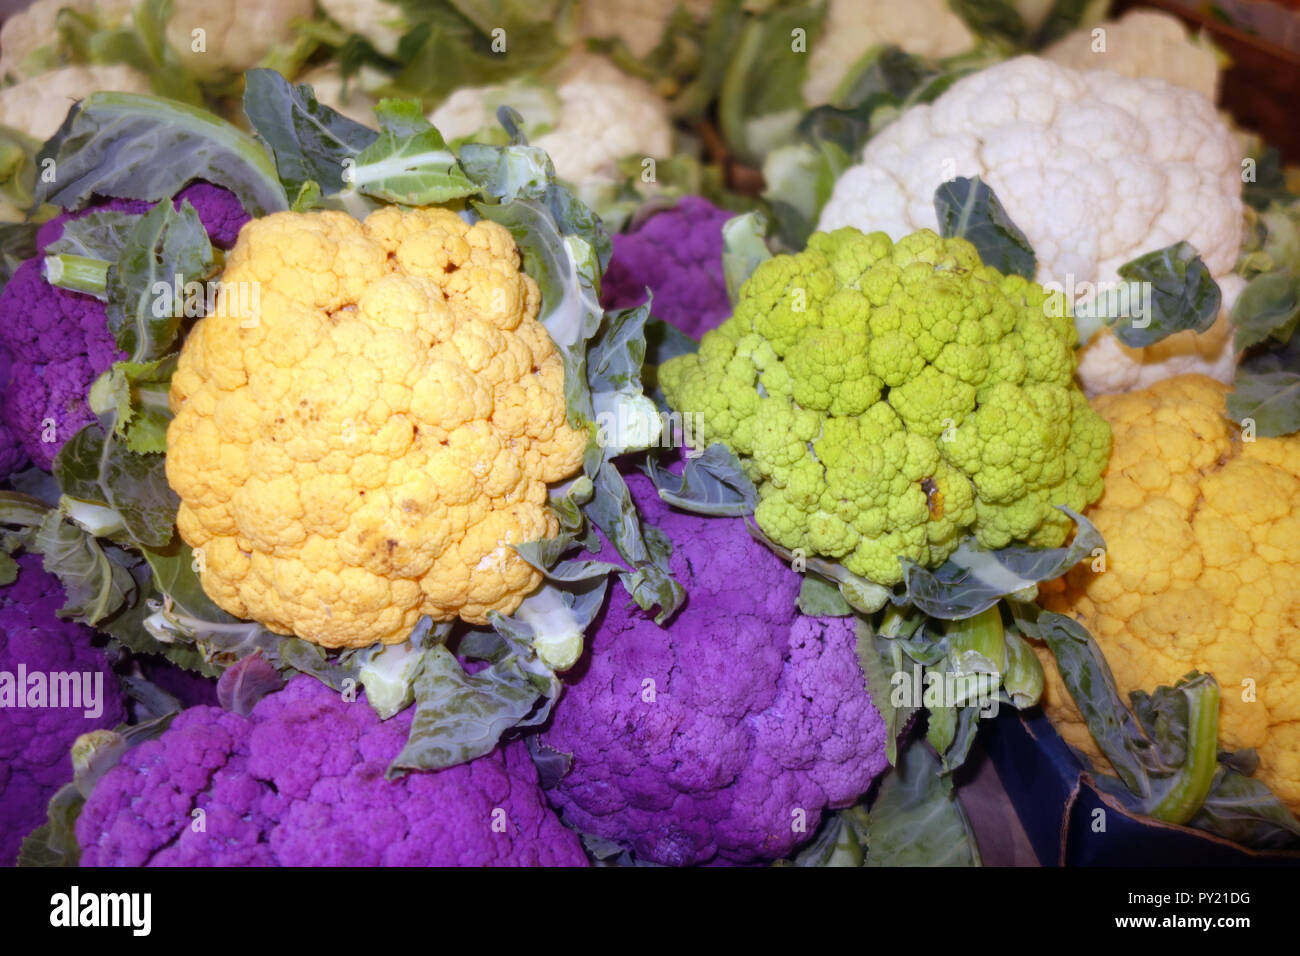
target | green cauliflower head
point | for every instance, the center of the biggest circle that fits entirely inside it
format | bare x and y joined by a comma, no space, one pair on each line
890,398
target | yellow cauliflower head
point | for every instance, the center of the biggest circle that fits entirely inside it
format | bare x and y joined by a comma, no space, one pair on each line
367,442
1203,557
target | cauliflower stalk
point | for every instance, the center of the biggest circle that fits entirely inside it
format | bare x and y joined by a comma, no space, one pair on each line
367,447
1095,168
890,398
1202,531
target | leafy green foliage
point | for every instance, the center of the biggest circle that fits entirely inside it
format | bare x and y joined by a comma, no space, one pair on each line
310,141
917,821
110,142
1266,391
967,207
1184,296
166,243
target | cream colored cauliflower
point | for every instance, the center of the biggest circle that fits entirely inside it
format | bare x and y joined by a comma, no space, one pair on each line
37,106
29,31
1143,43
640,24
237,34
1095,168
852,27
604,116
380,22
365,447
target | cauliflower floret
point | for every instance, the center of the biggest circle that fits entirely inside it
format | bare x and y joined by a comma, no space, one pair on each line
1143,43
640,24
380,22
890,398
27,31
365,446
300,782
852,27
1202,537
686,757
37,106
1095,169
604,116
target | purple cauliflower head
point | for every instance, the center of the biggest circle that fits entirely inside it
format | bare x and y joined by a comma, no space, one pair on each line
722,737
12,456
59,340
677,253
300,782
35,740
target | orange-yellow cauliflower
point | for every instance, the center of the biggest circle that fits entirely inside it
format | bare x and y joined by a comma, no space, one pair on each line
364,447
1202,570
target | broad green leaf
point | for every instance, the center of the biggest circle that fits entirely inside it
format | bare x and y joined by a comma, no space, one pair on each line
743,250
1268,308
110,143
821,598
310,141
54,843
460,716
99,470
409,163
148,294
1266,392
916,820
711,483
96,586
1183,297
967,207
974,579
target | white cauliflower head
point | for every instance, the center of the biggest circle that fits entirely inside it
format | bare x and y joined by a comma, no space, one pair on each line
603,116
380,22
237,34
1143,43
640,24
37,106
26,32
852,27
1095,168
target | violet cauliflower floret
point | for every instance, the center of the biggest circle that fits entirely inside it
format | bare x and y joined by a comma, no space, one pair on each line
300,782
59,340
35,741
677,253
724,736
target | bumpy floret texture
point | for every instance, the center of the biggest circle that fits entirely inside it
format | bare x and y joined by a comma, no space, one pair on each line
60,341
1095,168
1142,43
887,399
604,115
37,106
12,456
638,23
852,27
34,741
725,736
677,255
1202,556
300,782
365,445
